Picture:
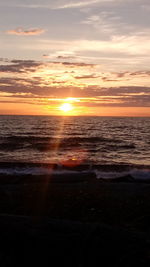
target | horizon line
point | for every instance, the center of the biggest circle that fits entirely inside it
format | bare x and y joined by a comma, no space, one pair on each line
47,115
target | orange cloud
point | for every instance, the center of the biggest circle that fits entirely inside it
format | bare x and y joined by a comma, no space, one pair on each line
21,31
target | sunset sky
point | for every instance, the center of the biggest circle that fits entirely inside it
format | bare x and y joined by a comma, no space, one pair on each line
91,54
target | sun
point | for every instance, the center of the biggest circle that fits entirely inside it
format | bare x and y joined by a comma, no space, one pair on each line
66,107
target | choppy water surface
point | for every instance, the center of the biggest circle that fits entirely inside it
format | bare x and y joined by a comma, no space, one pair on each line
84,140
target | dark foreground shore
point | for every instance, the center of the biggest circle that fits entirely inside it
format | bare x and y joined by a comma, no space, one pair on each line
86,222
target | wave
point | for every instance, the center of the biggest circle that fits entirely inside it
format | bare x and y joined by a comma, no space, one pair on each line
107,173
123,146
47,143
36,139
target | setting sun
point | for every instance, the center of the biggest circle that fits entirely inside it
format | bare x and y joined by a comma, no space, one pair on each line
66,107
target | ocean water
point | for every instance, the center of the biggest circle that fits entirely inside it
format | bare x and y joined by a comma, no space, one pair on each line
105,145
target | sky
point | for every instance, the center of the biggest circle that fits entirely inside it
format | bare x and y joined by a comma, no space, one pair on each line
92,54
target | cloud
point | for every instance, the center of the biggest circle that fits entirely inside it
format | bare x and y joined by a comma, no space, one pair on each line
146,7
4,59
106,22
63,55
89,76
140,73
57,3
134,50
45,56
63,4
20,66
54,67
106,79
66,57
119,53
72,64
122,74
32,88
78,64
32,79
21,31
78,4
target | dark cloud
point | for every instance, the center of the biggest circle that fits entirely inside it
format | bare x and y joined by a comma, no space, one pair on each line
90,76
129,90
78,64
121,74
10,68
134,73
73,64
106,79
2,59
140,73
70,71
19,66
46,56
66,57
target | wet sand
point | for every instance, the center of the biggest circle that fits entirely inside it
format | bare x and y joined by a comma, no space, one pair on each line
77,223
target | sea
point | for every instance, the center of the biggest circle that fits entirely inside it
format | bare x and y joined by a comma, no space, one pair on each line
108,147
